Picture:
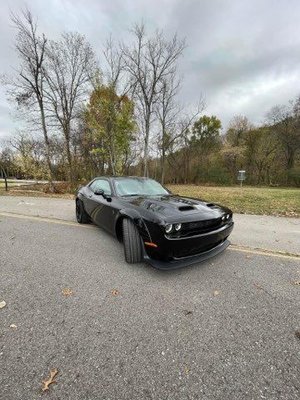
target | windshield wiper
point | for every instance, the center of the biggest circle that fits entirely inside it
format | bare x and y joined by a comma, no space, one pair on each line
147,194
132,194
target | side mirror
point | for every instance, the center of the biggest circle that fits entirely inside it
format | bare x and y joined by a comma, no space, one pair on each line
99,192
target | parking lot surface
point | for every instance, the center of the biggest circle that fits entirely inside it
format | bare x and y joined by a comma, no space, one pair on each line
224,329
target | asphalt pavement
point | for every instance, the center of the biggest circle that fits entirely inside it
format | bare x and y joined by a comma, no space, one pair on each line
228,328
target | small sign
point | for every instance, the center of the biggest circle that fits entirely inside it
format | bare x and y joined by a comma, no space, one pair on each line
241,176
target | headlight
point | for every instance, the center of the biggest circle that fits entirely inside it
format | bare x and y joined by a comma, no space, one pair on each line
168,228
225,217
177,227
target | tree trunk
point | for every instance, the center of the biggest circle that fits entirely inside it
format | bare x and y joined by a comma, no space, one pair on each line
69,158
111,161
146,148
66,132
47,145
290,157
163,161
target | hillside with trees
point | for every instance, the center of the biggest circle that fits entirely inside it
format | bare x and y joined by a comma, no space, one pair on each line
80,117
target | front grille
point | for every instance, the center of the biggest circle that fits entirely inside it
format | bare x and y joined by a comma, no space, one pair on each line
211,223
198,227
194,228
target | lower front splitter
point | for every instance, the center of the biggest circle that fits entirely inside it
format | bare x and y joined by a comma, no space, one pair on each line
185,261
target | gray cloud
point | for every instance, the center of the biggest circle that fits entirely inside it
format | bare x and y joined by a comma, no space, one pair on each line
242,55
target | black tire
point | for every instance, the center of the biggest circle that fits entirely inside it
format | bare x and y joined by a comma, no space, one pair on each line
81,215
132,242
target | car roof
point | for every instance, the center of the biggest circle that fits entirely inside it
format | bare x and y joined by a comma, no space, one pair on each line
121,177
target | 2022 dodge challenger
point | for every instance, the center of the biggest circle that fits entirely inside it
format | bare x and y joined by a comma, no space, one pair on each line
156,226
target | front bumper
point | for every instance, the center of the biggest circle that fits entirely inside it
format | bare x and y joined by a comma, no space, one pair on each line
181,252
184,262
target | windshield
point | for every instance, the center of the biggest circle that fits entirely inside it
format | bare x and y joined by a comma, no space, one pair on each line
139,187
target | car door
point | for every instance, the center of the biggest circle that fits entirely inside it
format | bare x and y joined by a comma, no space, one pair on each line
98,207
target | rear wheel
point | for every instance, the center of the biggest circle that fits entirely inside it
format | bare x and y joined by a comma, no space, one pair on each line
132,242
81,215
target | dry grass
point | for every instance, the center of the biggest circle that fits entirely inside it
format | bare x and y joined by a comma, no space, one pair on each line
247,200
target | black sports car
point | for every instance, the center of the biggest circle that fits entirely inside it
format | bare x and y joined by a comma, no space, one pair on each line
163,229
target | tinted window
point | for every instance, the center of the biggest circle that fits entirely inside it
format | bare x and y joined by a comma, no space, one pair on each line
101,184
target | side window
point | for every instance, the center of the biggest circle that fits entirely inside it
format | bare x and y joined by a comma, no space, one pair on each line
101,184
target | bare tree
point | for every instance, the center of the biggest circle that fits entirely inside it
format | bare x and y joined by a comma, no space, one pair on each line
28,87
149,61
70,68
285,123
30,153
114,63
237,129
167,110
180,141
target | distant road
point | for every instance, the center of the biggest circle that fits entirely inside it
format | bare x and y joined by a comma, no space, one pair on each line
22,182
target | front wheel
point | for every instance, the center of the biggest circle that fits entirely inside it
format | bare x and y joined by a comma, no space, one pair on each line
81,215
132,242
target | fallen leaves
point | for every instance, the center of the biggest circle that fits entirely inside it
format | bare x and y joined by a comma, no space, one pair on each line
296,283
187,312
115,292
2,304
67,292
297,334
50,380
216,293
257,285
13,326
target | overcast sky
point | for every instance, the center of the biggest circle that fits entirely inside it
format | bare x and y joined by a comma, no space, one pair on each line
243,55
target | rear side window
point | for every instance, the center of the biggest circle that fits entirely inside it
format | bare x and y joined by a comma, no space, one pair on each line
101,184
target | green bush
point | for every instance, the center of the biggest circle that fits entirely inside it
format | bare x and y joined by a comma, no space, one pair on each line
212,175
294,176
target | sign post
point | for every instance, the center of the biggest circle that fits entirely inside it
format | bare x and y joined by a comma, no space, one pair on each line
241,176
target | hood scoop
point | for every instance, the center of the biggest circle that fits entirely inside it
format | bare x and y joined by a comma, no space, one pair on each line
212,206
185,208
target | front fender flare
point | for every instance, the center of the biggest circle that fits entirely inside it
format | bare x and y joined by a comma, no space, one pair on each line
137,219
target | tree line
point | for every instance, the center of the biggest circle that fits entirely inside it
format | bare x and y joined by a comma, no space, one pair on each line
82,117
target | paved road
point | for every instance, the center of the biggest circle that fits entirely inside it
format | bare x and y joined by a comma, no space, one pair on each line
222,329
257,231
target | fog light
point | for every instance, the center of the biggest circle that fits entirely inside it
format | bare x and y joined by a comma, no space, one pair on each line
168,228
223,218
177,227
227,216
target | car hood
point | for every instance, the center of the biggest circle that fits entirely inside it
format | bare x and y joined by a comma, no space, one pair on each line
173,208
